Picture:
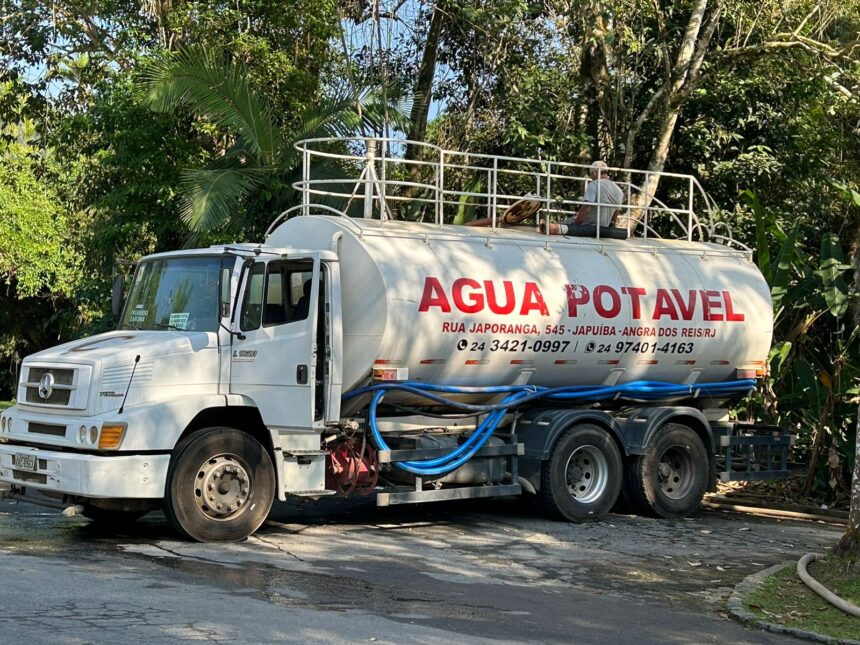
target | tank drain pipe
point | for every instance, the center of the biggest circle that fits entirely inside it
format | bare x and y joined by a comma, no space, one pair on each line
820,589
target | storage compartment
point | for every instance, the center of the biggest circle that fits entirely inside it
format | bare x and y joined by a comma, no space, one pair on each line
478,470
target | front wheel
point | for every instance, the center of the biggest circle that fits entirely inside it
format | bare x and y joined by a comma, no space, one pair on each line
220,485
582,478
670,479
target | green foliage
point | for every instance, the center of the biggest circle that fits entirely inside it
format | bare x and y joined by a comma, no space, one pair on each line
814,367
39,260
285,45
219,92
120,165
258,151
832,267
36,256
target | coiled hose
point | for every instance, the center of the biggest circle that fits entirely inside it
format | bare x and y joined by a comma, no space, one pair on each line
517,395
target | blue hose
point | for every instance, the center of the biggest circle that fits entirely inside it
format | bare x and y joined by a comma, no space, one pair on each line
517,395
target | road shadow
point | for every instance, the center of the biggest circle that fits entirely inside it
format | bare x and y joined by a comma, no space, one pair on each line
39,526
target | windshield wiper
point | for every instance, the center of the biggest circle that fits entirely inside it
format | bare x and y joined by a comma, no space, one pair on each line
129,326
167,326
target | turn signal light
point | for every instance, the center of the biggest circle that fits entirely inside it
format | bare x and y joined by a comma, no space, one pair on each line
111,436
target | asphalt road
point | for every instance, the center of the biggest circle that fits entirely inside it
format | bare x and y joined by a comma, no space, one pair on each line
325,572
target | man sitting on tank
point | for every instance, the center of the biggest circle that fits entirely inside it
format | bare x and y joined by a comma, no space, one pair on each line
604,197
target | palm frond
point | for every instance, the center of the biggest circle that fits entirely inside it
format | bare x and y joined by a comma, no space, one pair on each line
216,89
337,115
386,105
210,195
333,115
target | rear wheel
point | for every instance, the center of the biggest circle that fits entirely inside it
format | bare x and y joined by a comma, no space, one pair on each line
220,485
670,479
582,478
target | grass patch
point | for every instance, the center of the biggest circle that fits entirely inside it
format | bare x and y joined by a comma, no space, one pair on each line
6,404
783,599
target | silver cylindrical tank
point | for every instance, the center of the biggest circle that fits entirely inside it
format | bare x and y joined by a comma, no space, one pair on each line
472,306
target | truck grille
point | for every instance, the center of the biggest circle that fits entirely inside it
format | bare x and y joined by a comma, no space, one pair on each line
57,397
62,387
61,376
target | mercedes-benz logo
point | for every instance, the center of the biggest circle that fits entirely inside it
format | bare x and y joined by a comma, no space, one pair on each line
46,385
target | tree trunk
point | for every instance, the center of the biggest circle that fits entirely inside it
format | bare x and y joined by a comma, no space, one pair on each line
666,129
848,548
424,82
423,95
594,71
818,446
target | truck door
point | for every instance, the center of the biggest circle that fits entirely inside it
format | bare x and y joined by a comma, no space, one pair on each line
274,359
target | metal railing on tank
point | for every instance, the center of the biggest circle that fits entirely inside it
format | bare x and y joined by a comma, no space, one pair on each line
390,178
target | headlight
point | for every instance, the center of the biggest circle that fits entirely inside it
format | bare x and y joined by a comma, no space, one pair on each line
94,435
82,434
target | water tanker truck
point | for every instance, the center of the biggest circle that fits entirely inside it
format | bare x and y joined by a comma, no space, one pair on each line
374,345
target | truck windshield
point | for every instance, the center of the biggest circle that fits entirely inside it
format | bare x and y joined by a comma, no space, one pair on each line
174,293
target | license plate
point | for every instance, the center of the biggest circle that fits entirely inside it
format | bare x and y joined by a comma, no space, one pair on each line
25,462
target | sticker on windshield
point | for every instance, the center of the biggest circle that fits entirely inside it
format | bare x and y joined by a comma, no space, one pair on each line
180,321
138,315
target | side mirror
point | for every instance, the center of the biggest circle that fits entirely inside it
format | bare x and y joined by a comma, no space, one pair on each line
116,295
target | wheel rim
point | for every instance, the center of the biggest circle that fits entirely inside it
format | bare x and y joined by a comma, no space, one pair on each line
675,472
223,487
586,474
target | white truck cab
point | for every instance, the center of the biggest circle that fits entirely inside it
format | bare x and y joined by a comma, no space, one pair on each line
97,419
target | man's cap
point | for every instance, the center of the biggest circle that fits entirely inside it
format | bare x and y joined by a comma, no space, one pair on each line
597,166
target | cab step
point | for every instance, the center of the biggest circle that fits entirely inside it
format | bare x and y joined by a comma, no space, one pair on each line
305,453
311,493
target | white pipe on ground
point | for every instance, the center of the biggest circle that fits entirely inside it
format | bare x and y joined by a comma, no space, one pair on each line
821,590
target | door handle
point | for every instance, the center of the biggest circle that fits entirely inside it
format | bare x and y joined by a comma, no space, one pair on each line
302,374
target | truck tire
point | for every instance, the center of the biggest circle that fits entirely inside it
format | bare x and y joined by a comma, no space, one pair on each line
220,485
582,477
670,479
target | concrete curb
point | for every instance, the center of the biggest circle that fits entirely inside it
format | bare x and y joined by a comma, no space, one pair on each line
738,610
